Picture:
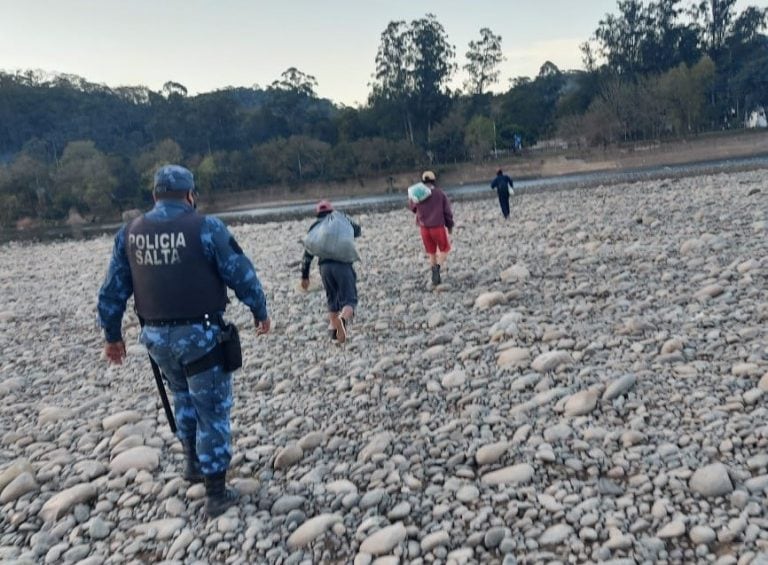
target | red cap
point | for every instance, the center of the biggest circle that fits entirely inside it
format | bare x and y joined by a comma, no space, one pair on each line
323,206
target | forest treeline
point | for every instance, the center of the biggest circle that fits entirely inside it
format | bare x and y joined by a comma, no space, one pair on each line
652,70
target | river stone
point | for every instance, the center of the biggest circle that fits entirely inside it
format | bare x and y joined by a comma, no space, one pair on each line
90,468
7,316
709,291
286,503
674,529
491,453
60,503
435,539
399,511
141,457
489,300
18,487
166,528
246,486
702,535
757,484
512,475
51,414
558,432
763,384
555,535
10,385
180,544
121,418
752,395
98,529
378,444
493,537
515,273
384,540
581,403
14,470
454,379
311,440
619,387
672,345
311,529
514,357
371,498
550,361
745,369
467,494
341,486
711,480
288,456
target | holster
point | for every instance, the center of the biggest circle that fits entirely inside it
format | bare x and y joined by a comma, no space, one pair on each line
227,353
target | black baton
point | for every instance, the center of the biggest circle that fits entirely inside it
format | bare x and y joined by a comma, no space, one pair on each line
163,395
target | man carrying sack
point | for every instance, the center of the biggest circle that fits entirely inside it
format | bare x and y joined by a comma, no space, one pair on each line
178,265
331,238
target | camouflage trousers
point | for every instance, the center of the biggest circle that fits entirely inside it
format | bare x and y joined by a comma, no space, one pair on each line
201,402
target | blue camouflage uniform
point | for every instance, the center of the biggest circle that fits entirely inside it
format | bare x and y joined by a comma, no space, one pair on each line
203,401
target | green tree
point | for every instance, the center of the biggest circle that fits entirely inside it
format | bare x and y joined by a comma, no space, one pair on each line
166,152
620,37
205,175
171,88
483,59
479,137
84,176
685,90
413,66
448,137
715,17
294,80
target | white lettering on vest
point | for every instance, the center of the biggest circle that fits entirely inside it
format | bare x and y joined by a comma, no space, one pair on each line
158,249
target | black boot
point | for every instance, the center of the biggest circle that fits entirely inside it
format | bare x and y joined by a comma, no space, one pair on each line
436,275
192,471
218,497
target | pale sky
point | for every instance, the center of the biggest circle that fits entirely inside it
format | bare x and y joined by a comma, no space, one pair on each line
209,44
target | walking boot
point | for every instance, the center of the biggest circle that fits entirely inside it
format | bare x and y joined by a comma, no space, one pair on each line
436,275
218,496
192,472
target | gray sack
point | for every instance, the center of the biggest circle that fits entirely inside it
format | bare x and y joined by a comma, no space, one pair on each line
333,238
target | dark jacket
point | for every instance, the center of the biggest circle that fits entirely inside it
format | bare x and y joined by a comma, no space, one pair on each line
502,183
306,261
434,212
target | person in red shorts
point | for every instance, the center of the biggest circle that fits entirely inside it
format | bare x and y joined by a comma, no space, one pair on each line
435,219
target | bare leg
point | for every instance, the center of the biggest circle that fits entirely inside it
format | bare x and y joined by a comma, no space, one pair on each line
338,325
347,312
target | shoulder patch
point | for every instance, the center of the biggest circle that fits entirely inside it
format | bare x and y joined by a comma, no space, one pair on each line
235,247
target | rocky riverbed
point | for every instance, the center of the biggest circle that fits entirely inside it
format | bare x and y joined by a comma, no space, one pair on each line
588,384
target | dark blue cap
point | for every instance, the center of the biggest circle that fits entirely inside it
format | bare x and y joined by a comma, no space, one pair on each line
174,177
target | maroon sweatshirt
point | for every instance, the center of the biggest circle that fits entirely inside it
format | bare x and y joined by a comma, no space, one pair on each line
433,212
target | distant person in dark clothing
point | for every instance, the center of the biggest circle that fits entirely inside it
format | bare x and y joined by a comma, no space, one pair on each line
503,186
338,276
435,219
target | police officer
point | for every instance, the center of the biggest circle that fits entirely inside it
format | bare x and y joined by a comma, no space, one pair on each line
178,264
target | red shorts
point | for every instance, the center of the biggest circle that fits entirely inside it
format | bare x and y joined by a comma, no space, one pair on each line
434,239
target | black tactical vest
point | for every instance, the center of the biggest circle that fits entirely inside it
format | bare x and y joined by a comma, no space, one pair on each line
172,277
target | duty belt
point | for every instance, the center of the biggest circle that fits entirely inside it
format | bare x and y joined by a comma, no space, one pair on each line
206,319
